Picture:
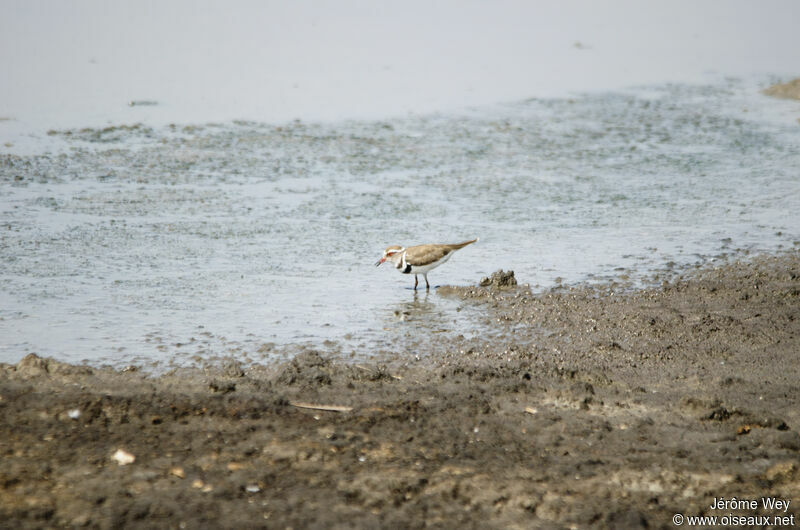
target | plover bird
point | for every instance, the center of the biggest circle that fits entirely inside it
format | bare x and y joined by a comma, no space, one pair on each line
420,259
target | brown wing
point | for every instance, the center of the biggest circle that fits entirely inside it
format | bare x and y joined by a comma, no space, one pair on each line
457,246
425,254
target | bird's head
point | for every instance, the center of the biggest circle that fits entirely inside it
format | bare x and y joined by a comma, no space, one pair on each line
392,254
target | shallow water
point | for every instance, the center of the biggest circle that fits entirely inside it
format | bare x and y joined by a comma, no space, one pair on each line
136,244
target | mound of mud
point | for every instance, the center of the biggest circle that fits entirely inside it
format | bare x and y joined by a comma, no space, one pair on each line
499,279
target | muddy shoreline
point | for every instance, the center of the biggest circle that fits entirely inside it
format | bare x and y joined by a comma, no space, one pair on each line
788,90
590,407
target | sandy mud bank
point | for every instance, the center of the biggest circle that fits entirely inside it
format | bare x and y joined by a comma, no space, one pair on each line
588,407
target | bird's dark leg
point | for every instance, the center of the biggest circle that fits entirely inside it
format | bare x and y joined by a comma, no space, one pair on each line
416,281
427,285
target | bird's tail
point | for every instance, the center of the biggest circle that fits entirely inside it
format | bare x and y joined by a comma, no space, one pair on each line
464,244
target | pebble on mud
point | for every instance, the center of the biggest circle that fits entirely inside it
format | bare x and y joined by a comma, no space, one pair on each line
123,457
202,486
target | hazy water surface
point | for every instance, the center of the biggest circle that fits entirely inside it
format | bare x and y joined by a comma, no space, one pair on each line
133,243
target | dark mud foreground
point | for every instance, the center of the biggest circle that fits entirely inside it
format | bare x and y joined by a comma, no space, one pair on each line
598,409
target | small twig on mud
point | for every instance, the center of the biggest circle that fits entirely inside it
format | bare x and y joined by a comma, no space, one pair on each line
332,408
531,410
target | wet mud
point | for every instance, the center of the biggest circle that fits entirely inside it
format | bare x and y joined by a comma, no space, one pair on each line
589,406
788,90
